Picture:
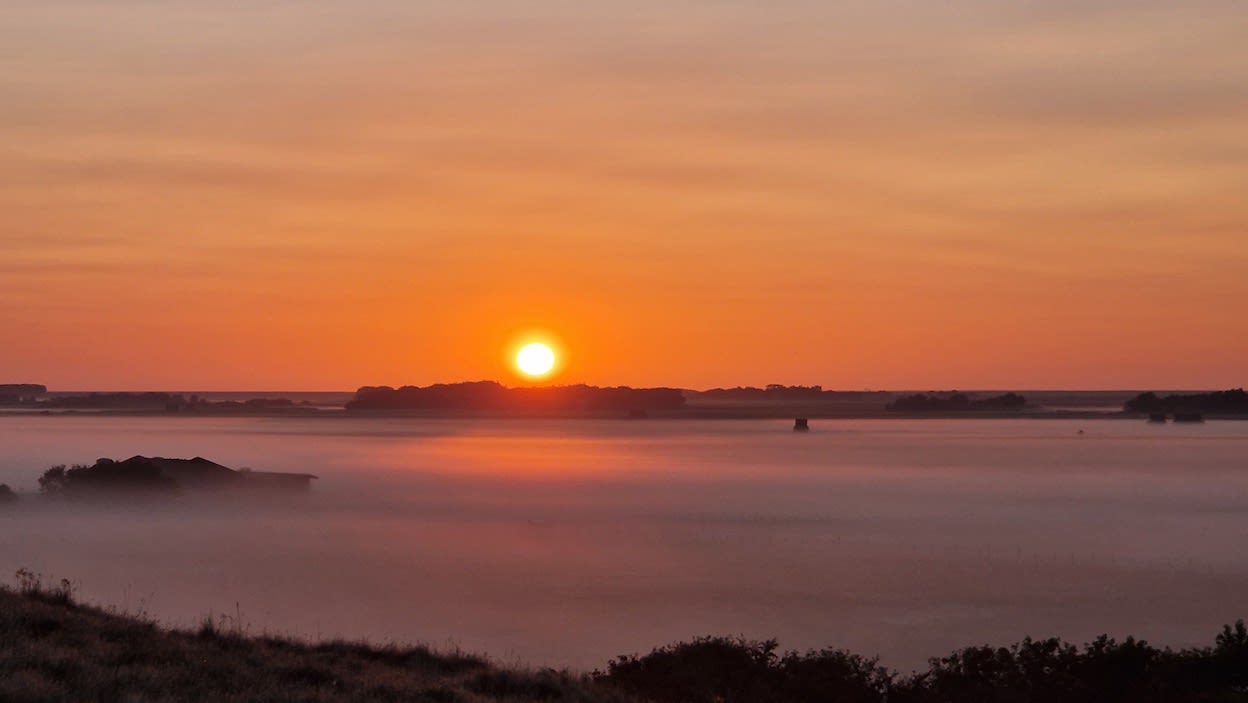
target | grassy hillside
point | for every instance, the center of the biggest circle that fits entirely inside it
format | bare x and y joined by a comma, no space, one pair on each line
53,649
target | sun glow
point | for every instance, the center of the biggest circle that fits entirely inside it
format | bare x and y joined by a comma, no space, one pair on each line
535,359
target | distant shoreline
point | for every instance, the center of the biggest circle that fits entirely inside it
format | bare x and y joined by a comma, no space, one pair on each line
694,413
489,400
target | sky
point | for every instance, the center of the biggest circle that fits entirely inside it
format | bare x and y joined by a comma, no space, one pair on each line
917,194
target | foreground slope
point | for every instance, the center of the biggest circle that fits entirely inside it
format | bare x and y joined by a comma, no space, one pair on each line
54,650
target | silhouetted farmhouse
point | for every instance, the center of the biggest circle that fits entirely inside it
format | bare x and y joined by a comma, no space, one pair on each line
161,475
20,393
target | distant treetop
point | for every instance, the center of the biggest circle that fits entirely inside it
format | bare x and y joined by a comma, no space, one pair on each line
1234,402
956,402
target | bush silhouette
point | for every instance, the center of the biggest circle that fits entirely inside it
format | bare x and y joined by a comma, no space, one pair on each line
832,675
709,670
1033,671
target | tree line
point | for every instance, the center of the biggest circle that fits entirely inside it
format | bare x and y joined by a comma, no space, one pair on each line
1231,402
956,402
490,396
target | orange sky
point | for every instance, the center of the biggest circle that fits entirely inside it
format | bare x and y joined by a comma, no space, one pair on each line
321,195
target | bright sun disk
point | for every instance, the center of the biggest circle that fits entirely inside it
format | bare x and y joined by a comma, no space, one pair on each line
535,359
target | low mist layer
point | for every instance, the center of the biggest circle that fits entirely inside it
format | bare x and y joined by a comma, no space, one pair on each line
567,543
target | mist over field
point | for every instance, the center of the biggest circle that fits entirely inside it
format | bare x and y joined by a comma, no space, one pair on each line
565,543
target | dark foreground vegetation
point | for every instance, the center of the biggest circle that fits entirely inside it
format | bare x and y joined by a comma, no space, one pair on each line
1033,671
53,649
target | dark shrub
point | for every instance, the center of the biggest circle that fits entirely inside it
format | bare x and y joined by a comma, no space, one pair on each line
833,675
707,669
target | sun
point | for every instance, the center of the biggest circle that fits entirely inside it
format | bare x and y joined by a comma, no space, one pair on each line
535,359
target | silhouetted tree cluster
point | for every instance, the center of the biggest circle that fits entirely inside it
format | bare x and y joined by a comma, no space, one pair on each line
105,475
1234,401
771,393
956,402
1034,671
490,396
773,390
6,494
